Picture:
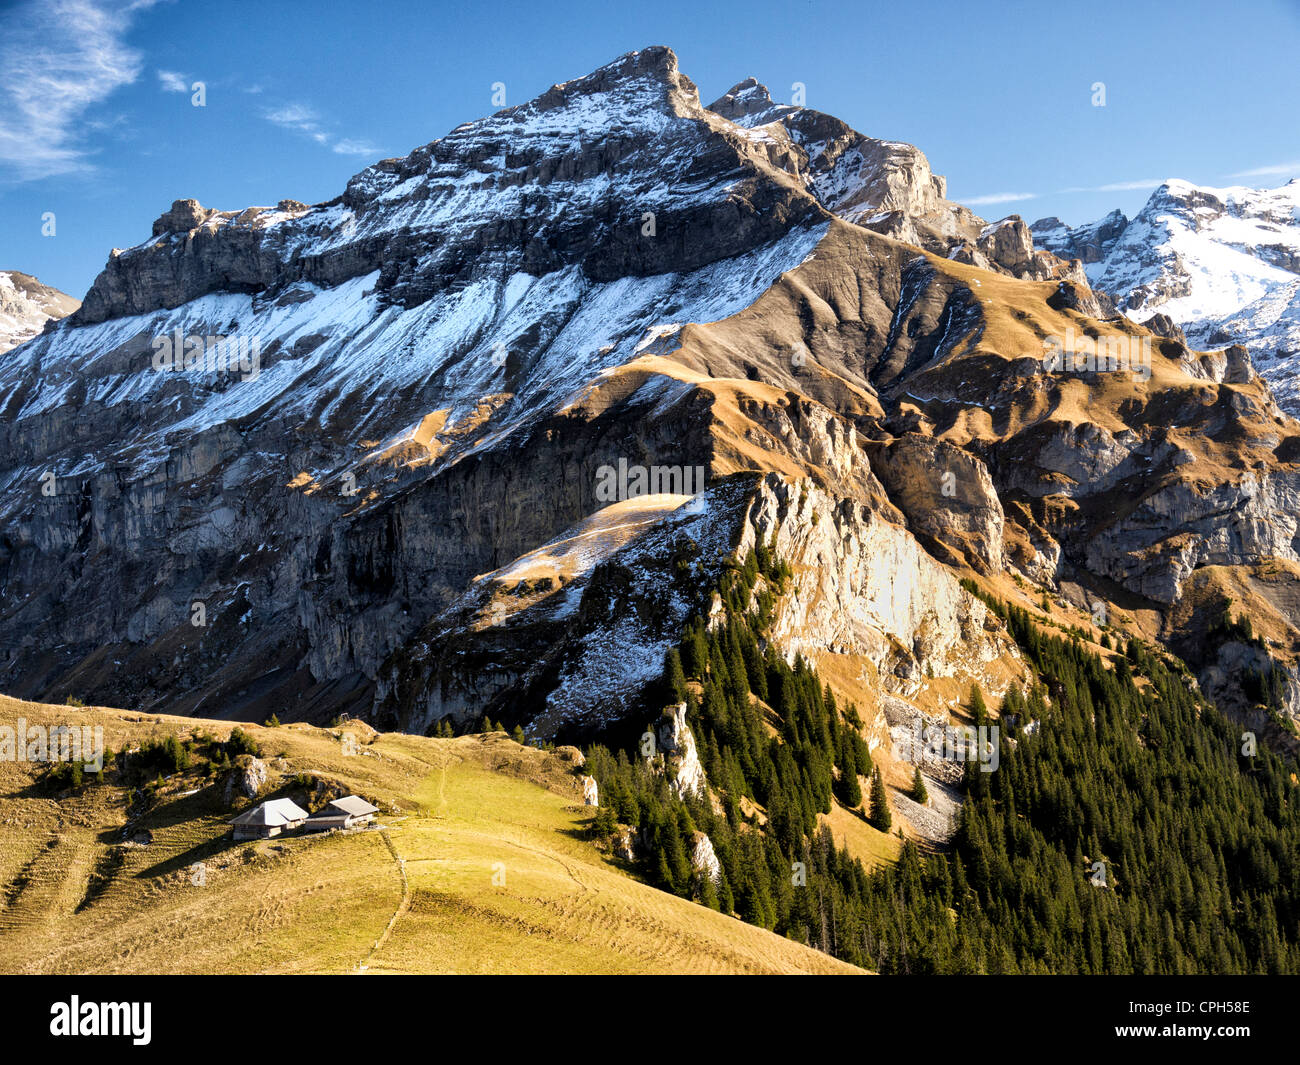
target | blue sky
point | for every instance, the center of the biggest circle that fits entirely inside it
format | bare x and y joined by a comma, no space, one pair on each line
98,127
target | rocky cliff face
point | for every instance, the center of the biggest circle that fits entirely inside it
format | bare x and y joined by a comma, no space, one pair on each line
582,645
1089,244
498,412
704,862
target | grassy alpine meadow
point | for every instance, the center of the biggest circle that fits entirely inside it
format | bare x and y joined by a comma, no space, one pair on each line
480,863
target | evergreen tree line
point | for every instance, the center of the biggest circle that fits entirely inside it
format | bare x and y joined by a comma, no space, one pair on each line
1122,832
791,752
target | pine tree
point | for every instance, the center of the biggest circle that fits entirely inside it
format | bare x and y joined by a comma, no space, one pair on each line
739,687
881,817
754,668
674,678
695,654
708,892
850,789
919,794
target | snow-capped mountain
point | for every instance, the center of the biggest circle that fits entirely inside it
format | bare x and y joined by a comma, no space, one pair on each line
26,305
1223,264
349,456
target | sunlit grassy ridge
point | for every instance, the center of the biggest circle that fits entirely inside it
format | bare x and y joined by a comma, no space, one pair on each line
484,866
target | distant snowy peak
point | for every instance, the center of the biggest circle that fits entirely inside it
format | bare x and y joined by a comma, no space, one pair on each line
1200,254
26,305
1222,263
1090,243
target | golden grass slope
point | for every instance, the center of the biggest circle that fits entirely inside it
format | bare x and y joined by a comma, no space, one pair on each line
482,866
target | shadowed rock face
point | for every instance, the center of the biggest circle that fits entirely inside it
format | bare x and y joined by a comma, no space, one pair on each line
396,512
1089,244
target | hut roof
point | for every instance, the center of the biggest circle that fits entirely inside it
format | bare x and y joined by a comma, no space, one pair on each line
353,805
272,812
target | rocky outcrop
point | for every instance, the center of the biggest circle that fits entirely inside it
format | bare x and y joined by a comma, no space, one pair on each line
868,589
247,778
183,217
1163,325
625,843
681,759
590,793
704,862
1232,365
1156,545
1220,679
1008,246
921,740
1075,295
888,187
570,756
1088,243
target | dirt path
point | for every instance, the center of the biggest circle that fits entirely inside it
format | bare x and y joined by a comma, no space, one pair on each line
403,907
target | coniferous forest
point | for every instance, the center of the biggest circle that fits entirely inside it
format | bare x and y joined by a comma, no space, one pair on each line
1123,832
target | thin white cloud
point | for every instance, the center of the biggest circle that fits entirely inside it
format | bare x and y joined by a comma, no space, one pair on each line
1000,197
1131,186
59,58
1118,186
1270,171
172,81
351,147
305,120
294,116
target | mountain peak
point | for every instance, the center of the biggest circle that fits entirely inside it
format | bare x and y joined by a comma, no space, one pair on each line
658,62
749,100
748,92
654,68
